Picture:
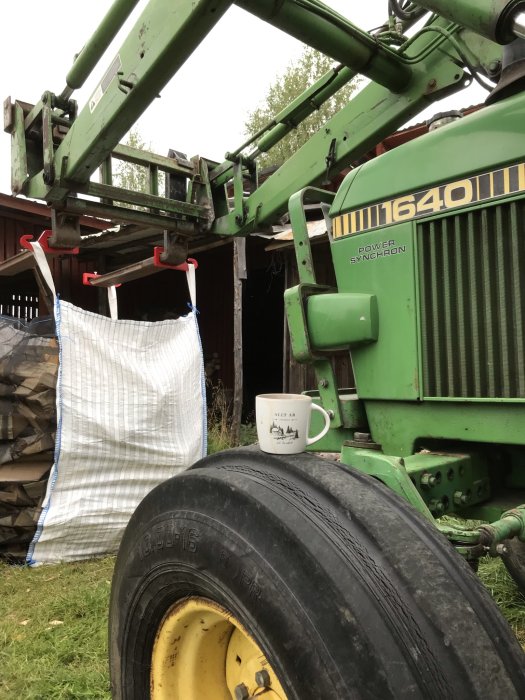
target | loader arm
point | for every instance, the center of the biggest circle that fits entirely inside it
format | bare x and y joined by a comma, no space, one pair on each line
56,149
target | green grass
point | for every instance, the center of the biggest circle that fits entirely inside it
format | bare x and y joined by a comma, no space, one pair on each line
218,439
510,601
53,631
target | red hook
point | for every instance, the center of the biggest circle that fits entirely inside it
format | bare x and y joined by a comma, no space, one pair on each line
87,276
26,242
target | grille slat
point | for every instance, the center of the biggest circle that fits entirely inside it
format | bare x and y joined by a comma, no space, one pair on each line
517,290
448,305
476,309
473,303
462,309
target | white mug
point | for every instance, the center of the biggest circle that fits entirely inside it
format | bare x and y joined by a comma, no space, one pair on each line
283,422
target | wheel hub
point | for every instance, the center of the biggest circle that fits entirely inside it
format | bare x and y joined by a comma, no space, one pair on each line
202,651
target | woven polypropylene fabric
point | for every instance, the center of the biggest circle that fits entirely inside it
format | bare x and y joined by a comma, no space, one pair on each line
131,413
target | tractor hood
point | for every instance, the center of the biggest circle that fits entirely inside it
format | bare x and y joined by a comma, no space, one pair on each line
480,142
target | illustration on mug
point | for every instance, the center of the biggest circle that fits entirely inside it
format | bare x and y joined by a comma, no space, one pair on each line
286,436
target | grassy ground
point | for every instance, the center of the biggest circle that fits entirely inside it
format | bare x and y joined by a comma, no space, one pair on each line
53,627
505,593
53,631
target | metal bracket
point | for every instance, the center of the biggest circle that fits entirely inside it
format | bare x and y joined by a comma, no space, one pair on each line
45,236
174,251
388,469
88,276
65,230
158,252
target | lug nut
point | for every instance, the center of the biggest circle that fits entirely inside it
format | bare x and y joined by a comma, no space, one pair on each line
428,480
262,678
436,506
501,549
460,498
241,692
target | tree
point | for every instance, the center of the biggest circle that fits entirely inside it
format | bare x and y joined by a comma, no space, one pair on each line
128,175
135,177
299,75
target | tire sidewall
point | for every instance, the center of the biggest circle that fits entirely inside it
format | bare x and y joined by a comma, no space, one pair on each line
181,554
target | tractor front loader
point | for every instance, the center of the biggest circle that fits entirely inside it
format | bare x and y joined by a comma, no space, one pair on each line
296,577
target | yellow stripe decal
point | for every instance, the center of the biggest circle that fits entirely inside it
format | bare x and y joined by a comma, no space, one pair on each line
460,193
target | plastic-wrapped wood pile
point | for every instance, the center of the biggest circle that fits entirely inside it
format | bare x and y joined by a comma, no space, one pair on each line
28,375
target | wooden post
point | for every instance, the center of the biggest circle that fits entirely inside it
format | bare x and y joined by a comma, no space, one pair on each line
239,274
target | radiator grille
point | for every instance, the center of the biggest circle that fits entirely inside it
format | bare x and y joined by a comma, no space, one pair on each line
472,272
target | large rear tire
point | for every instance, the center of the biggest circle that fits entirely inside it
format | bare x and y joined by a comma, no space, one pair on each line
343,590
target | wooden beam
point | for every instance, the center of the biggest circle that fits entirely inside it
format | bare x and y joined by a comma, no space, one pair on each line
17,263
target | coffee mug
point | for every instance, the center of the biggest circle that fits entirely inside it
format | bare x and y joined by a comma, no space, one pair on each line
283,422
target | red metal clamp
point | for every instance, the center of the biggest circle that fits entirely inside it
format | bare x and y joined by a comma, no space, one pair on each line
157,252
87,276
26,241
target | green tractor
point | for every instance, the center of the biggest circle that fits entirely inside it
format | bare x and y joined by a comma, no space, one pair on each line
297,577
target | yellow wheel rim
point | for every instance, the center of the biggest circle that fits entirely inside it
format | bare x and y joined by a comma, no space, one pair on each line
202,652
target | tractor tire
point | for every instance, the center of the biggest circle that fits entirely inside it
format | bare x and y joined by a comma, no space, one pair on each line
514,560
298,579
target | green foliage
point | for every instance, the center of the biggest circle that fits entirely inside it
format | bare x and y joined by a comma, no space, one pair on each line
219,422
299,75
219,416
129,175
135,177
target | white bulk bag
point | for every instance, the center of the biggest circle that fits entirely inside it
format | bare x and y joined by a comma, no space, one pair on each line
131,412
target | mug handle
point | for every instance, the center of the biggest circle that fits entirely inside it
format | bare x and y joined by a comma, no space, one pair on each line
315,407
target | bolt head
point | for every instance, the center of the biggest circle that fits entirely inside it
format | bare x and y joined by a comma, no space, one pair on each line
460,498
436,506
428,480
262,678
241,692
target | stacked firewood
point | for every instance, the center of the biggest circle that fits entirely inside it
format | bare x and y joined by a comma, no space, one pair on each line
28,375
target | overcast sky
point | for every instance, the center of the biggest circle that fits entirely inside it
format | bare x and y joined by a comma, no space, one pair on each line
203,109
